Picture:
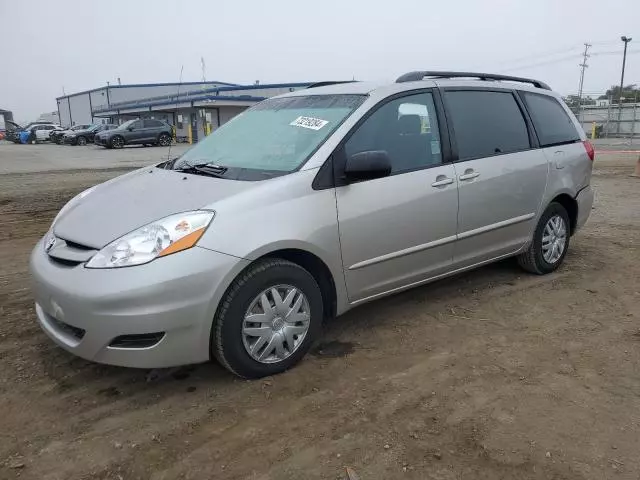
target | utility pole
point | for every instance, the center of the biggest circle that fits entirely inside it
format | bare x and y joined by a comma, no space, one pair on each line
626,40
582,66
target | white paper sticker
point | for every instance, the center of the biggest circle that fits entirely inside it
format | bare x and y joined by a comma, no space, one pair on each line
309,122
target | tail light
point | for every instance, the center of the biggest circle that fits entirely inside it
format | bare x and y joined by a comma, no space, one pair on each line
589,148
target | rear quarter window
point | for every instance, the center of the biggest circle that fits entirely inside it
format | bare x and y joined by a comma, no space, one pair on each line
552,123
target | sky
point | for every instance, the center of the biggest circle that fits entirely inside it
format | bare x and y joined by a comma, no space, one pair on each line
77,45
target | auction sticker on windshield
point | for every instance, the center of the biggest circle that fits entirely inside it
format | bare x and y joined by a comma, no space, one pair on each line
309,122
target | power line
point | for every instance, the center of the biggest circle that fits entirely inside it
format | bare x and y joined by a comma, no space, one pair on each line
538,64
541,55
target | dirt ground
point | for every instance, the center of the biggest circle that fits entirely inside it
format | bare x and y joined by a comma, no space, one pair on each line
491,374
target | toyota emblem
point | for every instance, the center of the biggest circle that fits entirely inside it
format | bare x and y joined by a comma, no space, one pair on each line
49,243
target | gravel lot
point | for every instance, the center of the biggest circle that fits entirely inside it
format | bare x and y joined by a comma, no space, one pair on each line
491,374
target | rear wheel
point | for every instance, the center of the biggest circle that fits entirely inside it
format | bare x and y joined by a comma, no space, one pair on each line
164,140
550,242
81,140
117,142
267,320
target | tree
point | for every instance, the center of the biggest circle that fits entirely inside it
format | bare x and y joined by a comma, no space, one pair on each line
573,101
629,92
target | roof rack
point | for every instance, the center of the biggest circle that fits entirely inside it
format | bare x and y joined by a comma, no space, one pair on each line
324,84
416,76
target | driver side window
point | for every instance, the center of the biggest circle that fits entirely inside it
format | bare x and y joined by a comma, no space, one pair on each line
136,125
406,128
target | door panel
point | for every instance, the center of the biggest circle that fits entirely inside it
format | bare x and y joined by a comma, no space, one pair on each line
401,229
396,230
501,178
498,207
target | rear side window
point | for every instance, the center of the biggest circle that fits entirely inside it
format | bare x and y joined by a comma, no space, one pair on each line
550,120
152,124
486,123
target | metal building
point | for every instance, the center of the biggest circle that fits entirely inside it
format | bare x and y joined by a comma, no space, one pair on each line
194,108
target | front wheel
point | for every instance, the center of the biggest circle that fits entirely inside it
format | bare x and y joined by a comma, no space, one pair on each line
164,140
267,320
81,141
117,142
550,242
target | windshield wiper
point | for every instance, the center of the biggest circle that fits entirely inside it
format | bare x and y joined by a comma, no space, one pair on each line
205,168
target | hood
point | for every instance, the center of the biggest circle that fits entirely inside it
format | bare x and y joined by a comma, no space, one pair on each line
128,202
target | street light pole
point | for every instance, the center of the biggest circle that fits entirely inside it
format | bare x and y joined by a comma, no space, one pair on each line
626,40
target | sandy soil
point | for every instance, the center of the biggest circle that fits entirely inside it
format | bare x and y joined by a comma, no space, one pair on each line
491,374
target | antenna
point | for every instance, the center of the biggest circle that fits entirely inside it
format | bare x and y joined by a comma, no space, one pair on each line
177,103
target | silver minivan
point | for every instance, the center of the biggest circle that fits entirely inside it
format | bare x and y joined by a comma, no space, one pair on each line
305,206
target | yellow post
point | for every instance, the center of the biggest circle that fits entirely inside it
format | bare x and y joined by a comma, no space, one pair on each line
593,131
189,134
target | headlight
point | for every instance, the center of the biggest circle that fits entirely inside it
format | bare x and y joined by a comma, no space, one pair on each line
71,203
169,235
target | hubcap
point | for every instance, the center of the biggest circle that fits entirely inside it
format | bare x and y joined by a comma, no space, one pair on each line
117,142
276,323
554,239
164,141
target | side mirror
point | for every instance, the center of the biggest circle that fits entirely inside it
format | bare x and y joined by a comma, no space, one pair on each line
130,129
367,165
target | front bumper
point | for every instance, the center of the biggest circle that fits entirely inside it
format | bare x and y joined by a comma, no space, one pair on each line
70,140
585,203
83,310
100,141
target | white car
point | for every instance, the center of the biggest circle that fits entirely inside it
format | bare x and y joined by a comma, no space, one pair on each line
43,131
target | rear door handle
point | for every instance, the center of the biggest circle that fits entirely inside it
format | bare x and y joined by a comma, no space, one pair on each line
468,175
441,180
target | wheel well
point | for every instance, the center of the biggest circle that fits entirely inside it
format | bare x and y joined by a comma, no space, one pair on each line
571,206
316,267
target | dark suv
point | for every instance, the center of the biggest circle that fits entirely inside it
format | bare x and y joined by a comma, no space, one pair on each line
136,132
82,137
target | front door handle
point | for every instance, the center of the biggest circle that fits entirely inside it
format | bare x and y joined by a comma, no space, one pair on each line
469,174
441,181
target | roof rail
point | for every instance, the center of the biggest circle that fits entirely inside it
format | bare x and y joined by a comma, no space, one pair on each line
416,76
324,84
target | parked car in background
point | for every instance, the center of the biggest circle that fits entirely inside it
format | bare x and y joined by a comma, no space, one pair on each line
306,206
43,131
12,131
57,136
136,132
82,137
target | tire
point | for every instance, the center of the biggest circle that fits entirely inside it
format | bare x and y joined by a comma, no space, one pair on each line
533,259
116,142
59,140
229,344
164,140
81,141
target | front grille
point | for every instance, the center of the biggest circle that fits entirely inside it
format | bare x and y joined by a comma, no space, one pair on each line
78,246
63,262
143,340
70,330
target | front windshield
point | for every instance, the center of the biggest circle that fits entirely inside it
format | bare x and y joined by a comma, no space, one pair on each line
276,136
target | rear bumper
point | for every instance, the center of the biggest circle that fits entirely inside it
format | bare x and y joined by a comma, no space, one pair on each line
585,203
